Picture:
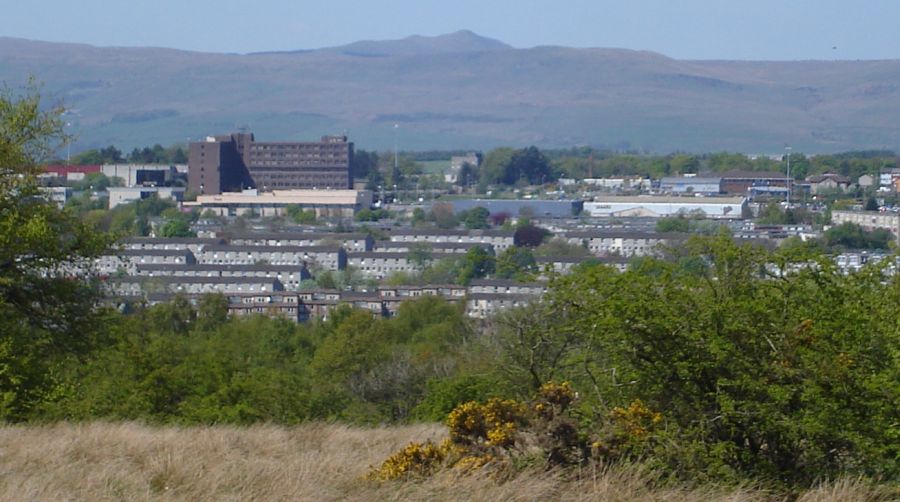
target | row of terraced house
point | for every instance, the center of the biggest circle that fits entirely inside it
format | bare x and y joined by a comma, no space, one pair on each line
483,297
264,272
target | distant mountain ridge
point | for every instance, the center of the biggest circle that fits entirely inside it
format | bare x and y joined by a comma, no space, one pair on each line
463,90
460,41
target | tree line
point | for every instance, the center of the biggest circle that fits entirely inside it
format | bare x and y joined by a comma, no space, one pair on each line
156,154
505,166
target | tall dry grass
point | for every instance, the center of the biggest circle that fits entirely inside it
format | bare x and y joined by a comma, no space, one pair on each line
128,461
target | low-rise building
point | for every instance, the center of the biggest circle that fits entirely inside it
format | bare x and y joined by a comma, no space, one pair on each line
623,243
134,175
435,247
690,185
536,208
326,203
70,173
888,178
870,220
126,260
634,183
456,164
57,195
378,265
746,182
140,286
291,277
506,286
500,240
649,206
822,183
349,241
273,304
485,305
192,244
322,257
565,264
124,195
365,300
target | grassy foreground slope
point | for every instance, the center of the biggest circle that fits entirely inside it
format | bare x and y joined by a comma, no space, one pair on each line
128,461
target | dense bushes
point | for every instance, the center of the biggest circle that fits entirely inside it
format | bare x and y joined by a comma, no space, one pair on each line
757,374
176,363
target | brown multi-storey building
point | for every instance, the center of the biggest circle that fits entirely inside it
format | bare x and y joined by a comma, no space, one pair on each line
217,165
236,161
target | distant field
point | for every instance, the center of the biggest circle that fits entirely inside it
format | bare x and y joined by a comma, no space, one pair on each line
127,461
435,166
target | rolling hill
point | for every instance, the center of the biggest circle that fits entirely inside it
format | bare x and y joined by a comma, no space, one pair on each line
464,91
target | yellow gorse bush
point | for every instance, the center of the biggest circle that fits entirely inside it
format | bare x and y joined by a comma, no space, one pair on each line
489,434
636,420
555,394
493,422
415,459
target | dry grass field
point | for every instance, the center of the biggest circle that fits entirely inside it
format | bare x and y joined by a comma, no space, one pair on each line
127,461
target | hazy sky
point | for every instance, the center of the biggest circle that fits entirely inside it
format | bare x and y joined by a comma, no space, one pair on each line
686,29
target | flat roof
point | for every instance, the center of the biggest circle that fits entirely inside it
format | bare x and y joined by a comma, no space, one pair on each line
249,248
347,197
294,236
689,179
668,199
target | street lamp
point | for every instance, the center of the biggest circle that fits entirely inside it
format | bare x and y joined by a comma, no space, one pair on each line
396,126
788,149
68,145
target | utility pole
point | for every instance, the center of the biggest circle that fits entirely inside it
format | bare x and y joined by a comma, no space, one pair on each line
789,180
68,146
396,126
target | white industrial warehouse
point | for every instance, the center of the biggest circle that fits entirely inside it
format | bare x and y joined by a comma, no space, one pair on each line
732,208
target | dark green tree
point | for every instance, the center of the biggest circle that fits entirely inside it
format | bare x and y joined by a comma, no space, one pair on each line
108,155
530,235
852,236
673,224
475,218
418,217
419,254
443,216
494,167
179,156
47,306
528,165
871,204
478,263
363,164
326,280
467,175
177,227
300,216
516,263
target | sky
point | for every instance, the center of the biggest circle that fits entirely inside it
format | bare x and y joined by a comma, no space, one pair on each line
683,29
